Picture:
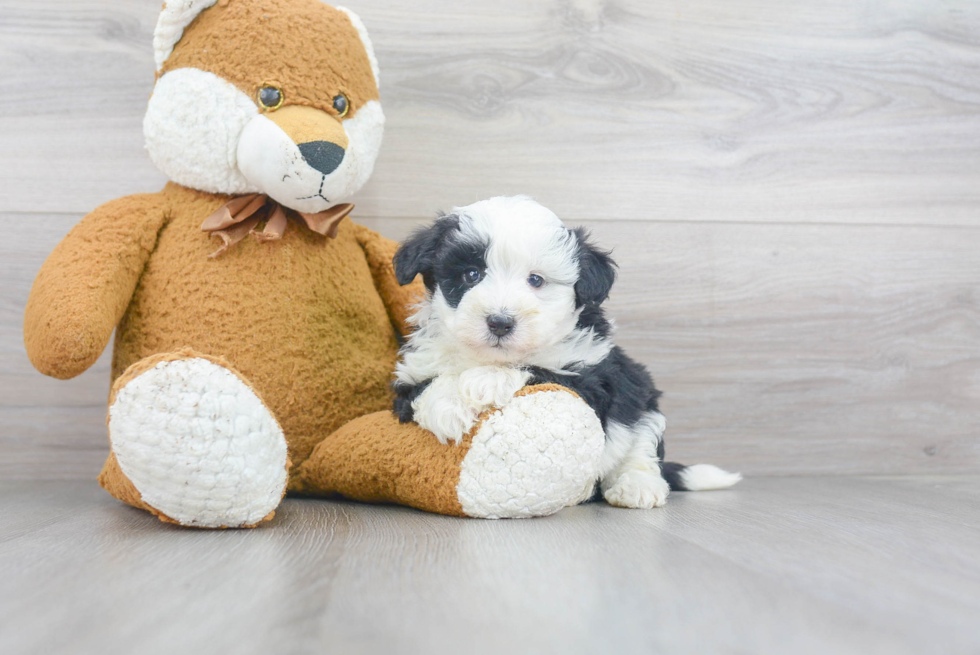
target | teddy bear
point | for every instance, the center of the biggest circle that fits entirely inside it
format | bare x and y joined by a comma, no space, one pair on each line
256,325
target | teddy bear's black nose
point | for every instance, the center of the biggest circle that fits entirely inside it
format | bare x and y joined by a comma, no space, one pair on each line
500,325
322,155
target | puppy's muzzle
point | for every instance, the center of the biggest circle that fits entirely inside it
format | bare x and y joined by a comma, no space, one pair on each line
320,137
500,325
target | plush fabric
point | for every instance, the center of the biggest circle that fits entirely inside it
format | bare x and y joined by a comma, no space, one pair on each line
251,43
85,286
266,369
181,138
203,127
376,459
301,317
199,444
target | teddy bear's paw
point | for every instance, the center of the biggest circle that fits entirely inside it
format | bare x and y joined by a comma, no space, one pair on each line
533,457
199,445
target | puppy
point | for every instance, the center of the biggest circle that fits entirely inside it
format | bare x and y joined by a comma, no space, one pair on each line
514,298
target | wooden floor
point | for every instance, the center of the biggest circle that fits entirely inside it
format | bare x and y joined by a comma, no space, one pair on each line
777,565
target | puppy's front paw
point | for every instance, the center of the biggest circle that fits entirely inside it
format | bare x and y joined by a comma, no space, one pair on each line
637,489
491,386
452,423
440,410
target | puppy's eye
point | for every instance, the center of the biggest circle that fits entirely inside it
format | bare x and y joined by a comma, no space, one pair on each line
535,280
341,105
270,97
472,275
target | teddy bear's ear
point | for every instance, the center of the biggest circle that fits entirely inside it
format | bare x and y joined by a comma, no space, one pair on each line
175,17
365,41
178,14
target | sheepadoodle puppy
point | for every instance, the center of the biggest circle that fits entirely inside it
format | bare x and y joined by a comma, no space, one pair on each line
515,298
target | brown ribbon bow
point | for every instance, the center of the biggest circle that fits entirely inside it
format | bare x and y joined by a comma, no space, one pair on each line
239,217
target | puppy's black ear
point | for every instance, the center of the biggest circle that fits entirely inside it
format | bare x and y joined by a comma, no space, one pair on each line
596,272
417,254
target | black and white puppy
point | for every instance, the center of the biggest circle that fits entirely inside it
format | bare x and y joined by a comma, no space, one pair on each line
514,298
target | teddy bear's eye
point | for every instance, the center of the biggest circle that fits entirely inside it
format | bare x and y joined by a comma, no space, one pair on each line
341,105
270,97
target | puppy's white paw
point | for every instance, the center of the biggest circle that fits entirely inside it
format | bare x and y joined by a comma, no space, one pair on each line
453,423
637,489
491,386
443,412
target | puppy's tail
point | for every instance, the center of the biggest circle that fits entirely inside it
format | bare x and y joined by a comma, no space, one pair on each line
698,477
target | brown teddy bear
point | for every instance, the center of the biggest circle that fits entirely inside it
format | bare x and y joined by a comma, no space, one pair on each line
256,327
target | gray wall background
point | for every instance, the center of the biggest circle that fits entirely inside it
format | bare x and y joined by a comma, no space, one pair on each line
792,190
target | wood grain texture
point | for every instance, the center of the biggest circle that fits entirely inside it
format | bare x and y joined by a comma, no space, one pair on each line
803,348
48,428
818,565
781,349
756,110
793,191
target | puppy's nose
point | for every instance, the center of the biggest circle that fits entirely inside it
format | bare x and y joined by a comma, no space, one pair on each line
500,325
322,155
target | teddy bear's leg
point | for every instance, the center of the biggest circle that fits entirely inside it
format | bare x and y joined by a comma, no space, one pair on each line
536,455
194,444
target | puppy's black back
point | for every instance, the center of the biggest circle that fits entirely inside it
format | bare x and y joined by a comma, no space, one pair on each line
617,388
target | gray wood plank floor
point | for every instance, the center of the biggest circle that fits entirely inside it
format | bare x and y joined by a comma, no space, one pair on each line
776,565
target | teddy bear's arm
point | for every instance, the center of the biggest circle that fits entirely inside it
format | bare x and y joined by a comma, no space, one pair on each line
87,282
399,300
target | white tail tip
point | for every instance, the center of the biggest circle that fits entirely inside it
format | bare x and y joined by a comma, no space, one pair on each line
705,477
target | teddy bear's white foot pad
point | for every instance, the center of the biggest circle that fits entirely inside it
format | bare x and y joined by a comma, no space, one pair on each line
199,445
538,454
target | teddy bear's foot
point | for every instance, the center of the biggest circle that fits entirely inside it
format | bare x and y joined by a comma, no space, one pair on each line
533,457
195,444
538,454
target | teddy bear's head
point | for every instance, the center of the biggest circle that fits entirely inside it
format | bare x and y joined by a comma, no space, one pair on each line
265,96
